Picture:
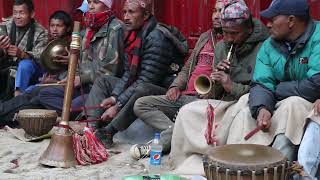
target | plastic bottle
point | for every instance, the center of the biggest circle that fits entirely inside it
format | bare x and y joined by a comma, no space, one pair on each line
155,155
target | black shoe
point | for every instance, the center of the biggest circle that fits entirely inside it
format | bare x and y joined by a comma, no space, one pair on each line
104,137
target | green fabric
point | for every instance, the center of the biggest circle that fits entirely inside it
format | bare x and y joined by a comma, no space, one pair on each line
105,54
242,63
270,65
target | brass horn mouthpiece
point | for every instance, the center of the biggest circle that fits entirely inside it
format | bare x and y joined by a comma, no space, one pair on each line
230,53
203,84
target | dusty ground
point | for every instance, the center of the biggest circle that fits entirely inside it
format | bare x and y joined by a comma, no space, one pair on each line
19,160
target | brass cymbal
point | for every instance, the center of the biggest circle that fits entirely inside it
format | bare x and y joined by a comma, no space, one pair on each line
54,48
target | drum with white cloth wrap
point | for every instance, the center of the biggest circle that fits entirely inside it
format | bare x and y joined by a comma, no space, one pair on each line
37,122
245,162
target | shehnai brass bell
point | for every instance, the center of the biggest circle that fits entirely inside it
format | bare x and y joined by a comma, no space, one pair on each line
54,48
203,84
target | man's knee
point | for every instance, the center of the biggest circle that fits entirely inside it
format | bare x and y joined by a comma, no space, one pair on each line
188,107
140,104
294,100
25,65
46,92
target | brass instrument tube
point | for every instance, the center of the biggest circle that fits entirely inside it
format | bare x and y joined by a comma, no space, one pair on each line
74,56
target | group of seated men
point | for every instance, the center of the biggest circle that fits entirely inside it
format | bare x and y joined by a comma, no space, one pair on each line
135,69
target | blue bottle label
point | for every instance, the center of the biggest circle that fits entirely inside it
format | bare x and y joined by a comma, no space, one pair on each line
155,158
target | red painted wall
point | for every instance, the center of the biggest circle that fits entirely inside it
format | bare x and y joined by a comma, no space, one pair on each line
192,17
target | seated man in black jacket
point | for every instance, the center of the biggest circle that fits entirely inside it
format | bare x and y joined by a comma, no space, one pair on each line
150,48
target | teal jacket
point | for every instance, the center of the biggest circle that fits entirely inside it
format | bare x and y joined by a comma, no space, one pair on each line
281,72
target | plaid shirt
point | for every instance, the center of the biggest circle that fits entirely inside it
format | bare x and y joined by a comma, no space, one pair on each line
39,43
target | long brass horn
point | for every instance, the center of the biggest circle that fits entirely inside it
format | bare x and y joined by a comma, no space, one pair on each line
203,84
60,150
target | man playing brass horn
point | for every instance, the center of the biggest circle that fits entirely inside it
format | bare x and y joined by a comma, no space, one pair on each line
192,136
159,111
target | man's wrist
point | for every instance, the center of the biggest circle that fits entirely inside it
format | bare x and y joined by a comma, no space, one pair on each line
114,99
23,55
228,87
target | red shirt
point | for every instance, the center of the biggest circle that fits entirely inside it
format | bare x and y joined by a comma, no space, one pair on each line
203,67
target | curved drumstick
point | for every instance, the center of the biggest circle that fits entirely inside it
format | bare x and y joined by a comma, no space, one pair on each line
253,132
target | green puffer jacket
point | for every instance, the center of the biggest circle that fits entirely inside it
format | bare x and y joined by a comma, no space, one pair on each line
275,65
281,72
105,54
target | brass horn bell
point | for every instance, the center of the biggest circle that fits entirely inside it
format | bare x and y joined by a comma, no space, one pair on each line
54,48
203,84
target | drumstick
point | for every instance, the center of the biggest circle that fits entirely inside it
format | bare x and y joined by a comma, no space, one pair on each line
253,132
50,84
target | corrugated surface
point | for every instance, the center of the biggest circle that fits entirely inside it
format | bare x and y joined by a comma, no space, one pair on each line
192,17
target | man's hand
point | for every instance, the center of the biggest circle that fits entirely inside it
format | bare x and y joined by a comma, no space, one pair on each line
4,42
48,78
173,94
110,113
107,103
264,119
63,59
223,65
76,81
14,51
316,107
222,78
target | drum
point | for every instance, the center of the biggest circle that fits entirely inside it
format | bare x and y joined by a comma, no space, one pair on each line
245,162
36,122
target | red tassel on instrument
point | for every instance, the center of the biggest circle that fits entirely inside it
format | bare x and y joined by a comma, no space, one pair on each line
88,149
211,126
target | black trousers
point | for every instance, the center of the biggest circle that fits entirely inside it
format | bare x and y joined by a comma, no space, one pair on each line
102,89
14,105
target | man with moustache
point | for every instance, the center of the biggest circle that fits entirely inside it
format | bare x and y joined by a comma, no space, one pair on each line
157,111
286,82
24,42
102,53
232,80
150,48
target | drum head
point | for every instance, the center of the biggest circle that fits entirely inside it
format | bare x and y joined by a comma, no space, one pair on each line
36,113
54,48
245,157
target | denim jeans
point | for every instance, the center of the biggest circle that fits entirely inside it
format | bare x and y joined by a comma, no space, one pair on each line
309,151
28,73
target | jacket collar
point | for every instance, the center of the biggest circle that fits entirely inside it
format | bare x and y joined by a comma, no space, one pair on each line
299,43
